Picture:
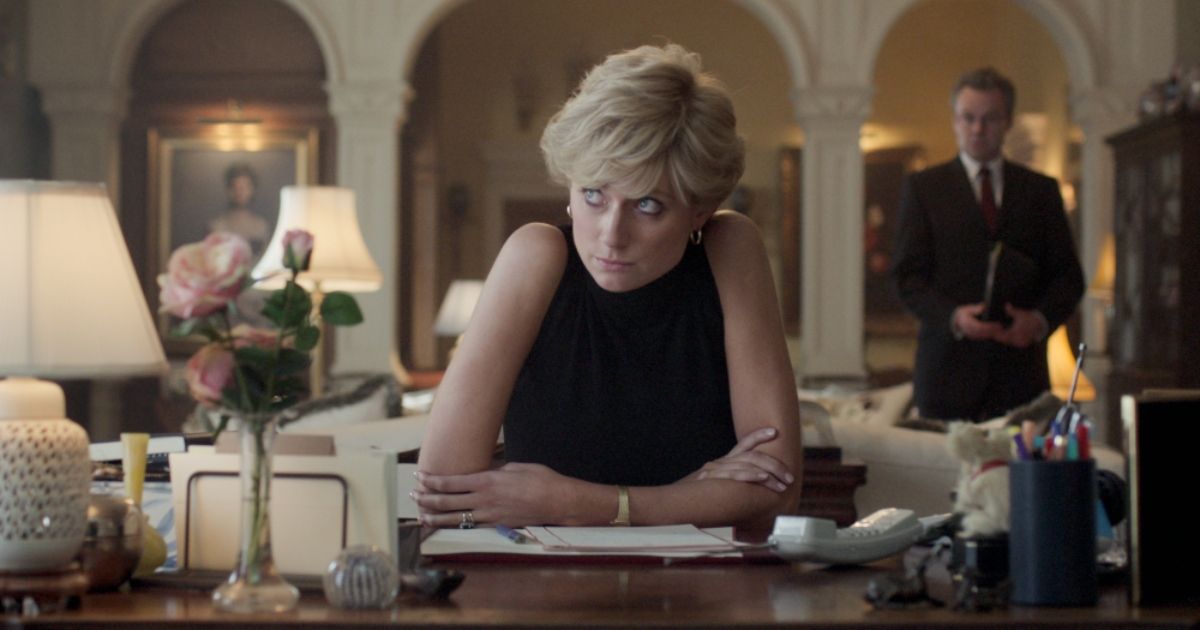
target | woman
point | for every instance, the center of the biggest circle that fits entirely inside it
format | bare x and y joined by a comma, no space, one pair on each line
636,359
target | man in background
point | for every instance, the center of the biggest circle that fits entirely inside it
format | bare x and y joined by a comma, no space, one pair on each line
951,217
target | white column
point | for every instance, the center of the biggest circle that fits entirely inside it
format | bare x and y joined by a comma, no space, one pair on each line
831,345
368,116
1099,112
85,124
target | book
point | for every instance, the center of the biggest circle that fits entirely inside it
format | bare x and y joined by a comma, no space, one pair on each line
1012,278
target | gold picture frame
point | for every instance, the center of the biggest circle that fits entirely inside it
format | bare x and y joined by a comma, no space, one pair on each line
191,189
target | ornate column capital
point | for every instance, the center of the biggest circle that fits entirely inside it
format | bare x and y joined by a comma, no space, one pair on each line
848,104
91,100
370,102
1104,107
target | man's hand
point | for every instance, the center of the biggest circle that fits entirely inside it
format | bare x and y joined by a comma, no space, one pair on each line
967,323
1027,328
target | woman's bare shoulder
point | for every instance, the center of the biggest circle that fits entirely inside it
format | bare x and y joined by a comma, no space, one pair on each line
533,257
732,238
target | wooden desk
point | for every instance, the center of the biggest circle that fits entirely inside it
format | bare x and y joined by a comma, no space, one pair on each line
529,596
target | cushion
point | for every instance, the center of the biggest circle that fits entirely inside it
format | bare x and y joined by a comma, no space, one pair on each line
879,407
375,399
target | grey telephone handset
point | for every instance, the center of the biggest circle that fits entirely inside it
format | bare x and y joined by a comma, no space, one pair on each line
884,533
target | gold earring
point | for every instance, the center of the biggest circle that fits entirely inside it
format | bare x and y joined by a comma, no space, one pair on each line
696,236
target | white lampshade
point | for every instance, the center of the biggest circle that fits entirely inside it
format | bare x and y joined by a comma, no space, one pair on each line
70,302
340,259
457,307
70,306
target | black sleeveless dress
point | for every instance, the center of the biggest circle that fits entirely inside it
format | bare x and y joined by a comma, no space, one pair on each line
625,388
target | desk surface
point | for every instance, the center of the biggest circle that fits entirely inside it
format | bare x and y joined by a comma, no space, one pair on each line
526,596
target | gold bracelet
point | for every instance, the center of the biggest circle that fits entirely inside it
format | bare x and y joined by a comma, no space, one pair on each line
622,519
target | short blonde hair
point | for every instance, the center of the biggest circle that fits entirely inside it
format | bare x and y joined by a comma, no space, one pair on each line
642,113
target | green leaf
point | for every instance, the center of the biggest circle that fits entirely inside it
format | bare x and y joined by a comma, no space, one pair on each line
288,307
307,338
340,309
220,426
195,326
292,361
259,360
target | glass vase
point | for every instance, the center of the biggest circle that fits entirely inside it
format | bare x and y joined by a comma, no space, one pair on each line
255,584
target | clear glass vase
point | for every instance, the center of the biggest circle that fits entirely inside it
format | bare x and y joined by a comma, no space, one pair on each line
255,585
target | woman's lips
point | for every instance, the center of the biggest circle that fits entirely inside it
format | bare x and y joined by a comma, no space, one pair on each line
609,264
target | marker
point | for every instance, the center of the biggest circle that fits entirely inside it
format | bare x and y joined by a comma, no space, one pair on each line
512,534
1022,453
1084,436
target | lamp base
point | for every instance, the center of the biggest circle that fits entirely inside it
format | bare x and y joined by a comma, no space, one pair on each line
46,478
34,593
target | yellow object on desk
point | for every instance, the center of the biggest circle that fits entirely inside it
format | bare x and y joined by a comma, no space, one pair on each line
133,464
133,461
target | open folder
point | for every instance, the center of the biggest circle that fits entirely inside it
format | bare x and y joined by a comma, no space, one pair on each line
669,541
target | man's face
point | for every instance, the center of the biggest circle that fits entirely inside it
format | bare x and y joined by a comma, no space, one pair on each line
980,123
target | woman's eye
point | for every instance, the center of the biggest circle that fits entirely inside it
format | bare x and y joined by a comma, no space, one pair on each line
649,205
593,197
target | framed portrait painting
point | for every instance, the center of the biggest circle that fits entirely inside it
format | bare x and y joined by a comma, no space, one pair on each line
222,178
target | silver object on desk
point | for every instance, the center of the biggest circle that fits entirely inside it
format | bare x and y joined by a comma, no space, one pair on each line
112,544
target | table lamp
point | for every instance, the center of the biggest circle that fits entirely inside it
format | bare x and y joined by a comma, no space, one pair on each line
340,259
71,306
456,310
1061,362
457,307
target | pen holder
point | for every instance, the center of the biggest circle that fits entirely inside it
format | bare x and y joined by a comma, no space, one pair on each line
1052,538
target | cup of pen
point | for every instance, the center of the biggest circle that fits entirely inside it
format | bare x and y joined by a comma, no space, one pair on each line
1052,537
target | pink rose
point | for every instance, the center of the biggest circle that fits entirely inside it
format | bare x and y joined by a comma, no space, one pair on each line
297,249
246,335
208,372
203,277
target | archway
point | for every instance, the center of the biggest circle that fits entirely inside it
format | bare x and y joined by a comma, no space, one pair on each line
472,155
909,126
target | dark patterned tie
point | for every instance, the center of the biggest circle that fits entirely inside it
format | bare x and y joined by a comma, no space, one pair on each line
987,200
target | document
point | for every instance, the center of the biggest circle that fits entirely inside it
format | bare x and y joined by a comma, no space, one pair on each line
672,541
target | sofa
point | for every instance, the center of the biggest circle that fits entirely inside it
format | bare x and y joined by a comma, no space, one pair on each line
908,464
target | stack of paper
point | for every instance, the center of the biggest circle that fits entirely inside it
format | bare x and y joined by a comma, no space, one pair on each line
669,541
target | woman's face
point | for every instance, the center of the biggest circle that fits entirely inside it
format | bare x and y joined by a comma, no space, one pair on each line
627,242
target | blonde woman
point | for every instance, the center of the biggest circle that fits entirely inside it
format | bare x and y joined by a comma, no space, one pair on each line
635,359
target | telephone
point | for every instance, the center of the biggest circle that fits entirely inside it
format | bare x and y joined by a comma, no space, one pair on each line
884,533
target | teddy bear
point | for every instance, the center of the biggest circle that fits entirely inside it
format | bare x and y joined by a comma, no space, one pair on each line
982,492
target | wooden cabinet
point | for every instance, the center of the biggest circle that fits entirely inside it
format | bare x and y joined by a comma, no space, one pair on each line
1153,341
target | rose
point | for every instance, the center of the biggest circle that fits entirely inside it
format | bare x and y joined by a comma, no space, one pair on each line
203,277
297,249
208,372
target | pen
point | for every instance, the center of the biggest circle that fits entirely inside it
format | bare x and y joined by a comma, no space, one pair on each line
512,534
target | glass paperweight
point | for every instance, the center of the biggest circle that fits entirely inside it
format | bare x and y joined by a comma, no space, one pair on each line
362,576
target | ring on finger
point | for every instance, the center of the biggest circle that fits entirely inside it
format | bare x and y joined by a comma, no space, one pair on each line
467,520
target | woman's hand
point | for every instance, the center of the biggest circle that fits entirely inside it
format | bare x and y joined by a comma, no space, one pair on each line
514,494
744,463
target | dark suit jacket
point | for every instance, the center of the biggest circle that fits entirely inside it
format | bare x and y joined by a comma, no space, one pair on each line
941,261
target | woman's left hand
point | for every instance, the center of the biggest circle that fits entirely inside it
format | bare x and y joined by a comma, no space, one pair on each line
514,494
745,463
